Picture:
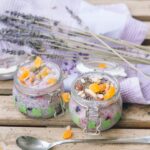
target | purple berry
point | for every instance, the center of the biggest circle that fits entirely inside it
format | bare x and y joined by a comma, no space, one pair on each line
78,109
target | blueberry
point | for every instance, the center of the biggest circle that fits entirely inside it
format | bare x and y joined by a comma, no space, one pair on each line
78,109
66,63
108,117
30,109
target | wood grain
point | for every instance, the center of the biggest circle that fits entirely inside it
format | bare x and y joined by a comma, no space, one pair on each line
6,87
9,134
134,116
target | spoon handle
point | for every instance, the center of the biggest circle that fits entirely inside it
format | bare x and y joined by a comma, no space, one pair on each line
140,140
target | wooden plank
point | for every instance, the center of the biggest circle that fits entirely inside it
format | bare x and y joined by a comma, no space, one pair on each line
6,87
147,38
9,134
134,116
139,8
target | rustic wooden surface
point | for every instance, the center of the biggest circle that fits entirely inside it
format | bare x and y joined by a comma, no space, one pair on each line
6,87
9,134
135,117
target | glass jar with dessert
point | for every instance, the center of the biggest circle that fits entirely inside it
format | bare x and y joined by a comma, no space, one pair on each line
37,88
96,104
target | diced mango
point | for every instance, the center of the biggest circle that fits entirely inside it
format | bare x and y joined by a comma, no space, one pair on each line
67,134
65,97
45,71
94,87
102,66
24,75
38,62
110,93
52,81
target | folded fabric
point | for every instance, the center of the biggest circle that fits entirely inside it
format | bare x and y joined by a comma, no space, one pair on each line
131,91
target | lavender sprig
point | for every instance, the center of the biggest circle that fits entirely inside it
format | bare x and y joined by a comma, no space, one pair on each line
39,33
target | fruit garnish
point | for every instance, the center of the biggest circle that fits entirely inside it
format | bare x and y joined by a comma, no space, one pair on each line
24,75
65,97
52,81
38,76
102,87
45,71
23,68
102,66
67,133
94,87
38,62
32,78
110,93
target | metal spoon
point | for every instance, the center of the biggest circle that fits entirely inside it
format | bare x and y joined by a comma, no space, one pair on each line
31,143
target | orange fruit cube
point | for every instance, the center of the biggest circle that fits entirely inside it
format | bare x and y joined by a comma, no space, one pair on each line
67,134
102,66
94,87
52,81
38,62
110,93
24,75
45,71
65,97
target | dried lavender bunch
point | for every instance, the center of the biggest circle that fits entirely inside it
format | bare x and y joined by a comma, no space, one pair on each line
13,52
39,33
40,41
25,16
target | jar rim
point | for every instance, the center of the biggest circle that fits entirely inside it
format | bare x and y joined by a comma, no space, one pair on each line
105,103
88,64
37,92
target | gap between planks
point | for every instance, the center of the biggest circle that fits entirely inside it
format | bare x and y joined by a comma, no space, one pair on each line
8,136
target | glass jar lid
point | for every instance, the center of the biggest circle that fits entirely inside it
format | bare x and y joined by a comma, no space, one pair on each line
111,68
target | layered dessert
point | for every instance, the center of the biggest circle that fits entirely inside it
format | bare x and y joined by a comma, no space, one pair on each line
95,103
37,88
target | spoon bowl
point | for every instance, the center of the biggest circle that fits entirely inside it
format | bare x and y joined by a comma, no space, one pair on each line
31,143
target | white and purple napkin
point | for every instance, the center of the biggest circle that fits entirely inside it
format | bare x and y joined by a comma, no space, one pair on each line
110,20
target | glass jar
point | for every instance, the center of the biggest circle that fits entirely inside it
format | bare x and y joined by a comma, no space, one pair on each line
95,116
111,68
8,66
44,102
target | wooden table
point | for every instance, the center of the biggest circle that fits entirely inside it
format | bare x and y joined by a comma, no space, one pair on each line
135,120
